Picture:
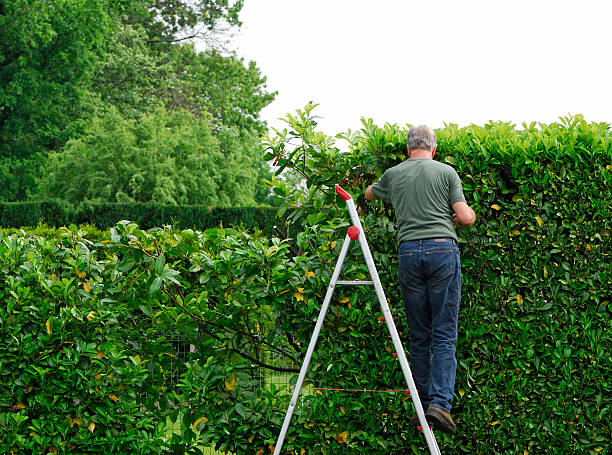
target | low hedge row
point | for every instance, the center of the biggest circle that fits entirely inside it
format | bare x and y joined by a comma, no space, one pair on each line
104,216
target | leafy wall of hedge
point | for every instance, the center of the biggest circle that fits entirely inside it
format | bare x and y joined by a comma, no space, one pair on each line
104,216
534,346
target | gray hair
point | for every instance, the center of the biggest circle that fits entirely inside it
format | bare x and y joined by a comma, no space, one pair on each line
421,137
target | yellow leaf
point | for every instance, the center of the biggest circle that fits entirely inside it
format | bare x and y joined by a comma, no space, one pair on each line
100,354
519,299
91,315
114,398
260,452
302,451
235,282
271,448
496,207
495,423
48,325
18,407
231,383
344,300
342,437
91,427
52,450
540,221
299,297
310,274
81,275
201,419
251,438
98,377
461,393
333,245
86,286
29,389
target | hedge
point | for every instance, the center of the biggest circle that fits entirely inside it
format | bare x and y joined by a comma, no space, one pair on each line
534,348
104,216
534,344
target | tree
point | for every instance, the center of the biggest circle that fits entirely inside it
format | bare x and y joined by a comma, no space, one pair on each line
168,158
65,63
48,50
232,91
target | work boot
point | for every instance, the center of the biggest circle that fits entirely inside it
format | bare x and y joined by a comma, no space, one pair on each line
441,420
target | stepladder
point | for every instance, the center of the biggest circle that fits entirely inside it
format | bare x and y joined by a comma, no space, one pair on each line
356,233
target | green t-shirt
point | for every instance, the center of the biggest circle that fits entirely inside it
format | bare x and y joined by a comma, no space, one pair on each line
422,192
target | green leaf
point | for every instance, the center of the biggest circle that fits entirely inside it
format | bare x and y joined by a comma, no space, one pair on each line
157,282
159,264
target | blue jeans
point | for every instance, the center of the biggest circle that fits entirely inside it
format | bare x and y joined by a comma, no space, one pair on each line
430,281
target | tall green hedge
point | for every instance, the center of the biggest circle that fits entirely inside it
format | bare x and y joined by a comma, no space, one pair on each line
104,216
534,348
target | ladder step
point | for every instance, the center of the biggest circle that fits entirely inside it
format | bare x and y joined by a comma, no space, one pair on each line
355,283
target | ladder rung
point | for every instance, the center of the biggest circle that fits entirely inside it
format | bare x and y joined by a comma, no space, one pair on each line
355,283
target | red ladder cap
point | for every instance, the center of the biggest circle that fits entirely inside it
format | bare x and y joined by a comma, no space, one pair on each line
353,232
343,194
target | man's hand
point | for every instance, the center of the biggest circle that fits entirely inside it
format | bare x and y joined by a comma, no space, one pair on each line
457,222
463,215
369,195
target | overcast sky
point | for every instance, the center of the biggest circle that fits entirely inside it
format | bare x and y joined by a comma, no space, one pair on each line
432,61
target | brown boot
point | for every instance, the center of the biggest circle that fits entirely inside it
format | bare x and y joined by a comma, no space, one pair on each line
441,420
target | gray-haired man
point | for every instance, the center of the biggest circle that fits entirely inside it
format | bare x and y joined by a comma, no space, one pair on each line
428,198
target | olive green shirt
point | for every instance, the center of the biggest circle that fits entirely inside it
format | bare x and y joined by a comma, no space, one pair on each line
422,192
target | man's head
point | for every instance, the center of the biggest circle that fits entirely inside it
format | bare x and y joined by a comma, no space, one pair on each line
421,138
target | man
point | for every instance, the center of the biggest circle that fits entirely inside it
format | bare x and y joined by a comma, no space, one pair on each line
428,198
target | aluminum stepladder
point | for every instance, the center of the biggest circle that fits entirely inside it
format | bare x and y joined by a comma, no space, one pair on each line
355,232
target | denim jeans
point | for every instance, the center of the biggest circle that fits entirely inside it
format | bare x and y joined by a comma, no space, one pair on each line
430,281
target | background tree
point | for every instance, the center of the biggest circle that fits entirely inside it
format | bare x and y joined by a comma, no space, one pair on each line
168,158
67,64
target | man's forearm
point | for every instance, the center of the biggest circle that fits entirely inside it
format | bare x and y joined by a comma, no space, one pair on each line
369,195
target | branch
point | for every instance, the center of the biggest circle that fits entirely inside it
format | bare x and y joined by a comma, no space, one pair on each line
204,324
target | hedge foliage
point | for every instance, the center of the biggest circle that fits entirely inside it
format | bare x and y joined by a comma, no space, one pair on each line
534,345
105,216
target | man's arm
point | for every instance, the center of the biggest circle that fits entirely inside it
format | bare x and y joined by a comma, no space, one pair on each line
464,216
369,195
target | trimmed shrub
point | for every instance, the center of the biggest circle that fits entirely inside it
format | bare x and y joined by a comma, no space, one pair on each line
104,216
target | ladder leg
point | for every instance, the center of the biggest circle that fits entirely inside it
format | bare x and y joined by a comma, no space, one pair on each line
311,345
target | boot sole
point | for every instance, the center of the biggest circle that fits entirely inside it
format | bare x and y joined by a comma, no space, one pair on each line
440,424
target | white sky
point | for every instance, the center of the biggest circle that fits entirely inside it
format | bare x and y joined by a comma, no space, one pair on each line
432,61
